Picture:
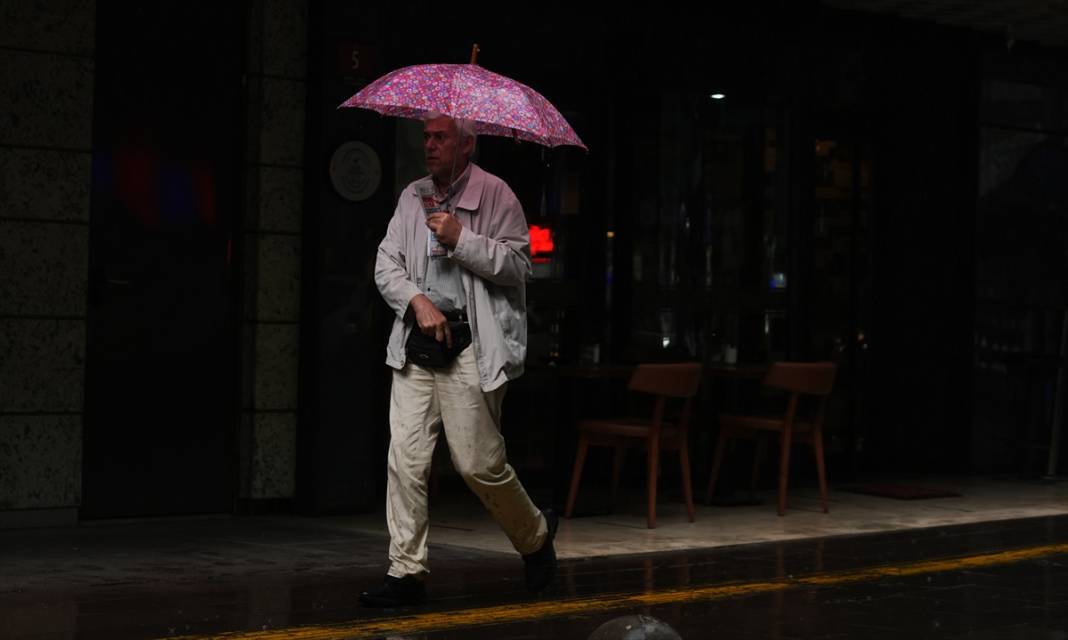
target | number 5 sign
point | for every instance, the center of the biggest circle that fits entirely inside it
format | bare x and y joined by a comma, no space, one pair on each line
357,63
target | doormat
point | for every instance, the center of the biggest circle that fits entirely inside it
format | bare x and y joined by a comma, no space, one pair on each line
900,491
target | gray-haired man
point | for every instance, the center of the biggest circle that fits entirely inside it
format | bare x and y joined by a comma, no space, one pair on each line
478,285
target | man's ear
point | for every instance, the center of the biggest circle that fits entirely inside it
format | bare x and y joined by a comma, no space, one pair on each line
467,147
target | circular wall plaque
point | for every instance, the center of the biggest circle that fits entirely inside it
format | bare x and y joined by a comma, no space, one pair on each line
355,171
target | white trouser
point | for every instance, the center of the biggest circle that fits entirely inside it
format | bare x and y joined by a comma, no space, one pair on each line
422,400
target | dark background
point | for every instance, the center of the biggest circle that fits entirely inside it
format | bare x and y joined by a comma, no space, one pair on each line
851,199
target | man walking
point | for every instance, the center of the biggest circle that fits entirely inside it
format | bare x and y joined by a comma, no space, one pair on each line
454,265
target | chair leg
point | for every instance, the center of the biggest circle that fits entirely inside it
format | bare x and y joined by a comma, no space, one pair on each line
617,469
654,459
817,446
717,461
784,471
576,474
687,487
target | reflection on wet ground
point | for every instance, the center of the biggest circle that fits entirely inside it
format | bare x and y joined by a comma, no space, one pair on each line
287,577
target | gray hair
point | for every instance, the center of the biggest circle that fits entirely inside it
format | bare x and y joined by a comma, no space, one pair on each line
464,128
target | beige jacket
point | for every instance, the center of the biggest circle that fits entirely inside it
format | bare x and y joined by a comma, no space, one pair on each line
494,249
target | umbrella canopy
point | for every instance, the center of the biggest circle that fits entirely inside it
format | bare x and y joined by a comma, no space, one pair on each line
497,105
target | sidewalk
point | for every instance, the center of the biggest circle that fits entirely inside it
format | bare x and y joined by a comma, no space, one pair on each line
461,522
226,548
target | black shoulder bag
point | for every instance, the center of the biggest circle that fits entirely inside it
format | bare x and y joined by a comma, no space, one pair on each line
425,351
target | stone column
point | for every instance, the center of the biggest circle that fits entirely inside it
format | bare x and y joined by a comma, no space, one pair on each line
276,88
46,124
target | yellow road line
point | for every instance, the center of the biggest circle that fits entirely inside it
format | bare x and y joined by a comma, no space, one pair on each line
524,612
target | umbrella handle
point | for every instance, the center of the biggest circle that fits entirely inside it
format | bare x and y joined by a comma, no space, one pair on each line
474,53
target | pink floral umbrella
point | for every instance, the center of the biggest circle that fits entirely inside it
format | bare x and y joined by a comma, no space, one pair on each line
498,105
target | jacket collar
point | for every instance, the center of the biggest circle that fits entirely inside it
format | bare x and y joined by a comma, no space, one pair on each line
472,195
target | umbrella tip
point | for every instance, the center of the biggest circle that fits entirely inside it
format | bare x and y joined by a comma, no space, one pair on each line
474,53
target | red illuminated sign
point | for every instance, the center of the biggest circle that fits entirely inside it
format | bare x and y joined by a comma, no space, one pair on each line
541,243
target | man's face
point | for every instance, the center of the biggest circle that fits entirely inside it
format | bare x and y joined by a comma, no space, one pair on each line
442,149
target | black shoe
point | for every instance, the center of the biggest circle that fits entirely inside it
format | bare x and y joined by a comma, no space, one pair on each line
540,566
395,592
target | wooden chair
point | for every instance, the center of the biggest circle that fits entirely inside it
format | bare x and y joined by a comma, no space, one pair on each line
799,379
663,381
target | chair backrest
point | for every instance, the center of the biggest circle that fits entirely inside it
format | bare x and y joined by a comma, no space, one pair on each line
814,378
680,380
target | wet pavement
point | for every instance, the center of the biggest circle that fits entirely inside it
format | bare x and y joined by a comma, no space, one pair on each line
291,577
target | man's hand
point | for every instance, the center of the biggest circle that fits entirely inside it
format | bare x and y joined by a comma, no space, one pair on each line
429,319
446,227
